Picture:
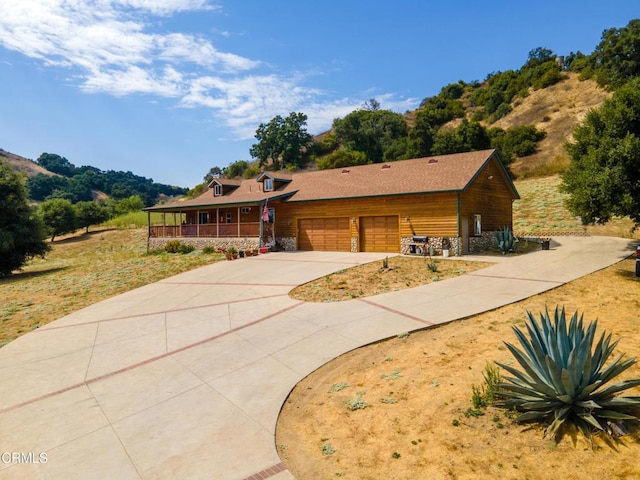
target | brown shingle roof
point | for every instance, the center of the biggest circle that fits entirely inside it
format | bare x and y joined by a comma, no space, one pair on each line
443,173
421,175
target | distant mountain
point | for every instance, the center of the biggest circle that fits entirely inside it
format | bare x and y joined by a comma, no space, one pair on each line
86,182
22,164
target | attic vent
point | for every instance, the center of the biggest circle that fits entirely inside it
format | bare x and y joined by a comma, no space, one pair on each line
386,166
346,170
433,160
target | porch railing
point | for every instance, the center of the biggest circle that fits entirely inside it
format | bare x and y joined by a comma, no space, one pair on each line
207,230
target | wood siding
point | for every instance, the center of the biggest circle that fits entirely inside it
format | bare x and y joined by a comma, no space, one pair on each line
421,214
489,196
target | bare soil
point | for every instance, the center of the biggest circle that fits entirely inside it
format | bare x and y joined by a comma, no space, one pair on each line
373,278
418,388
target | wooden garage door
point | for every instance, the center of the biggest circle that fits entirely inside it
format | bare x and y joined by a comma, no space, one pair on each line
326,234
379,234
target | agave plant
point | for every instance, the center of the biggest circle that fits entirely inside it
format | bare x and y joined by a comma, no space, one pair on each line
564,378
506,240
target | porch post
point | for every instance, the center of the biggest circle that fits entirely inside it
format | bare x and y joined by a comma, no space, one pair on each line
164,224
238,221
148,229
218,222
197,223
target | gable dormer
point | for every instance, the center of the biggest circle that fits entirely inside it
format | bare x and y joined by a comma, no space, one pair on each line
271,181
221,186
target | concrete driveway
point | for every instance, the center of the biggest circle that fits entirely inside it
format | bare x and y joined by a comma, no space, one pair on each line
185,378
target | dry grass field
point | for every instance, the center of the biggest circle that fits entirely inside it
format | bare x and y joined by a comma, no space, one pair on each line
80,270
415,394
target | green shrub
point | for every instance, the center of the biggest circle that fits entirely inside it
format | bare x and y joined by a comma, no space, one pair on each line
185,248
208,250
564,378
172,247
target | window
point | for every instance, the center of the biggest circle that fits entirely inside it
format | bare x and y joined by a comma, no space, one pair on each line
268,184
477,225
245,210
229,217
203,217
217,190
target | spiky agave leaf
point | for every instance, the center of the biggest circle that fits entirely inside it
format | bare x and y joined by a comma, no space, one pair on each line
564,377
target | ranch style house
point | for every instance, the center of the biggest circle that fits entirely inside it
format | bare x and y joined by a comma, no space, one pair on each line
456,201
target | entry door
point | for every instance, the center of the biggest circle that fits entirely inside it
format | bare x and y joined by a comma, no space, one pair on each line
465,234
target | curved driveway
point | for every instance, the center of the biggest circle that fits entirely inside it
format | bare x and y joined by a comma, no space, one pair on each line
185,378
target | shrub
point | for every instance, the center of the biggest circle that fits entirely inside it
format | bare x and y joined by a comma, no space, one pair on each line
208,249
172,247
185,248
564,378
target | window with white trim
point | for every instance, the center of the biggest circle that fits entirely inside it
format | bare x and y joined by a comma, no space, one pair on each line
268,184
203,218
229,217
245,210
217,190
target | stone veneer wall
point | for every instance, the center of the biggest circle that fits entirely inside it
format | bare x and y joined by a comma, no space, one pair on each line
200,243
486,241
288,244
435,242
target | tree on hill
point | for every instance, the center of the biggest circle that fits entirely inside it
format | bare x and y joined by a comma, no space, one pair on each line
59,216
56,164
370,132
603,178
90,213
21,231
616,59
282,141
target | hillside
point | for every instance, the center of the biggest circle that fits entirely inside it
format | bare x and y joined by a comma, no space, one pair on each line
557,110
22,164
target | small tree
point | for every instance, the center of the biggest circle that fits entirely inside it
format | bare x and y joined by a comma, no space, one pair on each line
21,231
59,216
90,213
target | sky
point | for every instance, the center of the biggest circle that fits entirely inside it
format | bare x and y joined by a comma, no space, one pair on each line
168,89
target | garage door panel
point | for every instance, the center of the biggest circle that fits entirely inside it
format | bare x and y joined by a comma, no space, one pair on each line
379,234
324,234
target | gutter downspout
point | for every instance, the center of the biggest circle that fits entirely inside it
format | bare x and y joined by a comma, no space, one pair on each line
459,246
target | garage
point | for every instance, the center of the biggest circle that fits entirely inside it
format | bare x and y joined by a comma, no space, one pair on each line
325,234
379,234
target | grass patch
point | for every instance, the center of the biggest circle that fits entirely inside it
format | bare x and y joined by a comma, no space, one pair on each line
81,270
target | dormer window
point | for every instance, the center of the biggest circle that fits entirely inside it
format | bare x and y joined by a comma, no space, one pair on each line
268,184
217,190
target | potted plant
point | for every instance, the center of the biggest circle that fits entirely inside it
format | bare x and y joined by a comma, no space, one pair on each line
231,253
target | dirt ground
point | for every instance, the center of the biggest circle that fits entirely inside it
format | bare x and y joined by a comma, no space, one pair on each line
417,389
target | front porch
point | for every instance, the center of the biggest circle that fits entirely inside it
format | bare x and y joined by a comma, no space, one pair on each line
242,227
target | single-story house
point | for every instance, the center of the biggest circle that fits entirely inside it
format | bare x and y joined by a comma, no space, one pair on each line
459,199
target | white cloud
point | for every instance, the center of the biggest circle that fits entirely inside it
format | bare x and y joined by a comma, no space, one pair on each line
109,47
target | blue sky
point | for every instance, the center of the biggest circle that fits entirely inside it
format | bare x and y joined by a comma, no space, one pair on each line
170,88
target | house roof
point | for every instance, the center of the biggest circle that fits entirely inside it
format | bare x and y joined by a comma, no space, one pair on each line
443,173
